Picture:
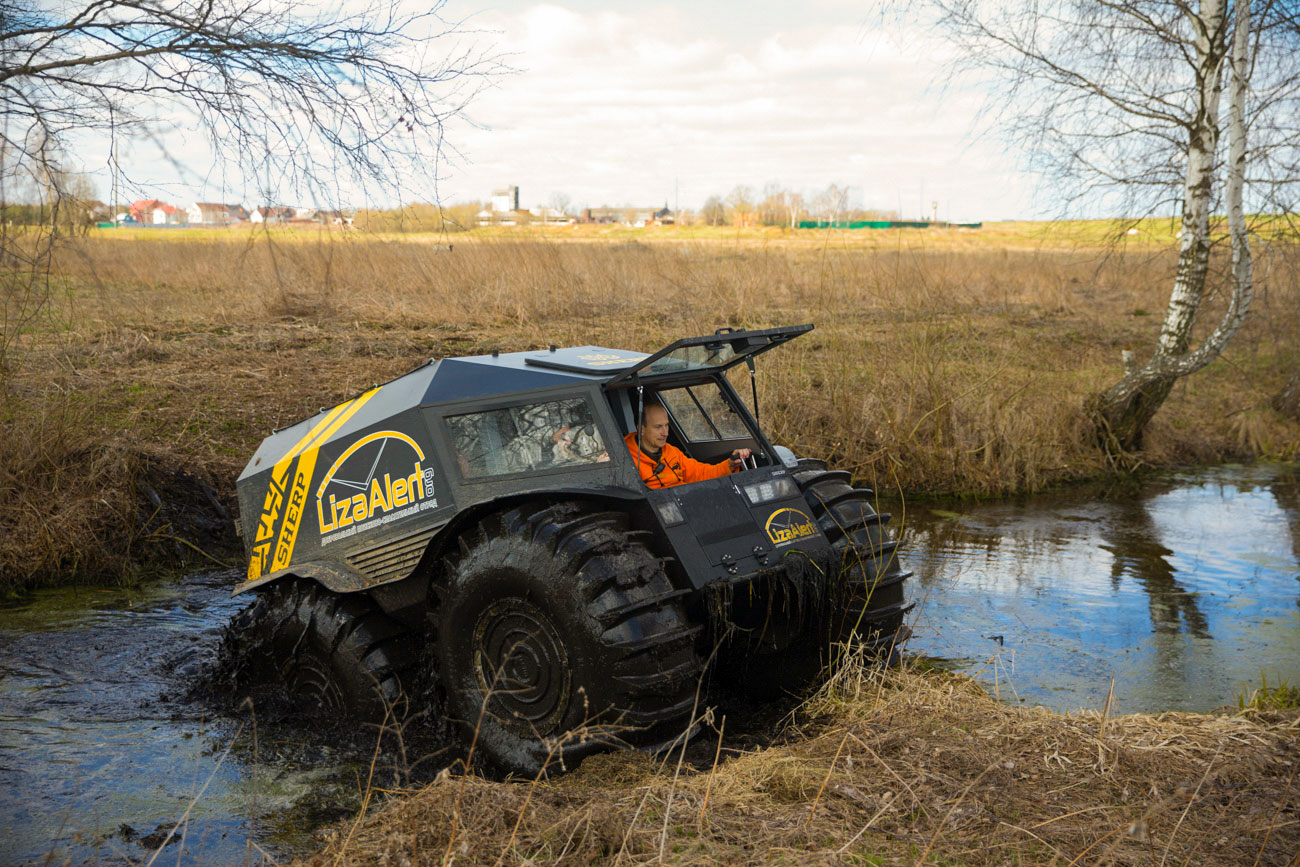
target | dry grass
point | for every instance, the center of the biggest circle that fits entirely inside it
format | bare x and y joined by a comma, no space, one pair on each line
942,362
900,767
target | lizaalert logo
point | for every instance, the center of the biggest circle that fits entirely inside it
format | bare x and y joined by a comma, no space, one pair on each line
378,479
608,359
786,525
272,551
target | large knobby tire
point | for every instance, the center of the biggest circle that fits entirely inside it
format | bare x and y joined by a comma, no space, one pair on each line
557,634
333,654
867,577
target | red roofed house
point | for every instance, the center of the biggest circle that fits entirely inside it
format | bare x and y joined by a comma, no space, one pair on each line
156,213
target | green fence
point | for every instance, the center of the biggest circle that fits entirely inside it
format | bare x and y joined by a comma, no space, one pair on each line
882,224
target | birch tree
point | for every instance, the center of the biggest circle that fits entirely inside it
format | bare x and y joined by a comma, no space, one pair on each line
1121,104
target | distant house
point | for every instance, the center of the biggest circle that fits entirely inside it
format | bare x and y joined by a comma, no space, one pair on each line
152,212
170,215
215,214
141,211
272,214
334,218
91,209
550,215
629,216
504,218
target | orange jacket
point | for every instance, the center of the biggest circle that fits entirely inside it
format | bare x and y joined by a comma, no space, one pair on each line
678,469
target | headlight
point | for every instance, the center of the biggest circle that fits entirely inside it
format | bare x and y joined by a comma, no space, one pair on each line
782,488
669,513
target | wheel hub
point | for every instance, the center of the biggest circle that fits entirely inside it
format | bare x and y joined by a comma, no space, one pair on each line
521,666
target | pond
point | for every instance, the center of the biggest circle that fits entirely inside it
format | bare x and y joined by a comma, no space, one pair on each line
1184,590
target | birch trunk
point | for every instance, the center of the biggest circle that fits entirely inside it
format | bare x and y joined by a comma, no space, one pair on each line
1123,412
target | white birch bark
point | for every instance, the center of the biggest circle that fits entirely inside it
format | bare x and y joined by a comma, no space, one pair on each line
1172,358
1243,284
1202,145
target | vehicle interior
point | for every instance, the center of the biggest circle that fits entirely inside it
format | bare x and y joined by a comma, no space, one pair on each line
703,423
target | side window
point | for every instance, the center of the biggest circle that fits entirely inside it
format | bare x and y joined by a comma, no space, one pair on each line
520,439
703,414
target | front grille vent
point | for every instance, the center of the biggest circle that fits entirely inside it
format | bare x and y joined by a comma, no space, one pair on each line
393,559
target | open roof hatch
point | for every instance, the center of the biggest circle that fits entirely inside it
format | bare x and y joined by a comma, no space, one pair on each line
717,351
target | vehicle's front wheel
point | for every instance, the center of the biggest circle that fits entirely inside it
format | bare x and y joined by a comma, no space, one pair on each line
329,651
557,634
867,575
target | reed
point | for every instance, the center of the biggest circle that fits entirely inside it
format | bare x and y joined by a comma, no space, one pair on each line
943,361
887,767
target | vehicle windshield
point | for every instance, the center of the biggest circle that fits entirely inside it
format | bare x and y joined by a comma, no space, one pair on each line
692,358
703,414
707,353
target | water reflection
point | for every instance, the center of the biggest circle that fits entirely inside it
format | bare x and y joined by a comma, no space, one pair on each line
1286,491
1133,539
1183,590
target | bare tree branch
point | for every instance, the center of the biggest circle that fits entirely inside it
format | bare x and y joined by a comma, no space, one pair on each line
302,96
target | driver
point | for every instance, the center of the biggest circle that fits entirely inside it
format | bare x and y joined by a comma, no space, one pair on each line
662,465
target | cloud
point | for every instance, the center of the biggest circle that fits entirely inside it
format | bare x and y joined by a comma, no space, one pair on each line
677,101
614,107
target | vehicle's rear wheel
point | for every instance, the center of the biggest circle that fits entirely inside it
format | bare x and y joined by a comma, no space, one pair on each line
329,651
867,575
556,633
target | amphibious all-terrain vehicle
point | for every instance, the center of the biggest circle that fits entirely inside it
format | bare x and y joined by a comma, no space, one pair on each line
479,527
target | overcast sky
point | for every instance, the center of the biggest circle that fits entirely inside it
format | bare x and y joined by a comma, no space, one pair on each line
671,102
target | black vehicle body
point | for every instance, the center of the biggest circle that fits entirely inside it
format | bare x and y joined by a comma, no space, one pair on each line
370,496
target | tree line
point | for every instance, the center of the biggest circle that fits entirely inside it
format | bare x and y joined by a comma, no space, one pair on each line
773,205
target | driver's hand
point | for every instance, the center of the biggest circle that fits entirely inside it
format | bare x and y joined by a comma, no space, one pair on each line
739,456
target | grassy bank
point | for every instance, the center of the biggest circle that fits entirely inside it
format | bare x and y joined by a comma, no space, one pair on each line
943,361
899,767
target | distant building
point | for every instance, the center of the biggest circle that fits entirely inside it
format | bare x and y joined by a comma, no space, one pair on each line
506,199
270,214
549,215
334,218
152,212
93,209
629,216
215,214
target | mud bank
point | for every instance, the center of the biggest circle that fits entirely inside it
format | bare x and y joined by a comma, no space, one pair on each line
901,767
110,515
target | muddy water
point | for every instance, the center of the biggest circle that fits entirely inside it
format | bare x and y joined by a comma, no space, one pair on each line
1184,591
101,754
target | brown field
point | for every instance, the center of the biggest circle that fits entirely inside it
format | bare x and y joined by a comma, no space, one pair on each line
897,767
944,361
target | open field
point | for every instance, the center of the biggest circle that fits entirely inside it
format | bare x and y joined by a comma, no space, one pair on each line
949,361
897,767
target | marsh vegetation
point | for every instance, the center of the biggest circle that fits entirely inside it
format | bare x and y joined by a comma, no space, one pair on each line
944,361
